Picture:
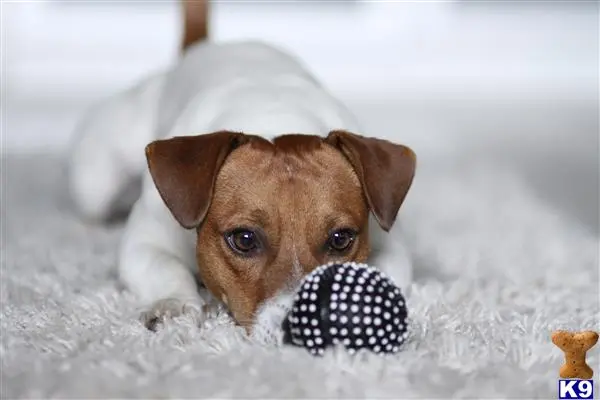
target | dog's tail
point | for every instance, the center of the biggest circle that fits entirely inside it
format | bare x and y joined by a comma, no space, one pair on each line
195,21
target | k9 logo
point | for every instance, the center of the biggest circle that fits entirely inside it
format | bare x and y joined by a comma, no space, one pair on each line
575,389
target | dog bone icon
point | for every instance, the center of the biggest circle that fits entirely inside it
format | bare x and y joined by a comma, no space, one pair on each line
575,345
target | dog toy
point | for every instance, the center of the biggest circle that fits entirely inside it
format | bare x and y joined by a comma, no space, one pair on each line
575,345
348,304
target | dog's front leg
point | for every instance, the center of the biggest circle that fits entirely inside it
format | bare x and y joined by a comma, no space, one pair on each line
156,263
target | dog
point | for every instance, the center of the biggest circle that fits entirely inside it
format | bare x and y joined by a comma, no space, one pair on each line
240,174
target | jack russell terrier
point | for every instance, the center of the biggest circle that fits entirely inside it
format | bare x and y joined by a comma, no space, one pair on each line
251,178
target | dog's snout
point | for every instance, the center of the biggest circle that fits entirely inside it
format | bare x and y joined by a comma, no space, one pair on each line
301,262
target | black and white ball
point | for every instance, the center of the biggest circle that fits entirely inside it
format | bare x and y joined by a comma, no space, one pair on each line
348,304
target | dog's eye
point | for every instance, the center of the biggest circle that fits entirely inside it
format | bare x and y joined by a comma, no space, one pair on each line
341,240
243,241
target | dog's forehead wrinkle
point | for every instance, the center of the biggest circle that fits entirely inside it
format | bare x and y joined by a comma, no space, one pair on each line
310,167
289,166
296,156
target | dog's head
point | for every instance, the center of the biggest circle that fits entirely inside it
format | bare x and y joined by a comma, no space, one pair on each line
267,213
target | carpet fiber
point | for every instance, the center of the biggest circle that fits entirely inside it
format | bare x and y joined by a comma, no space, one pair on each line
497,269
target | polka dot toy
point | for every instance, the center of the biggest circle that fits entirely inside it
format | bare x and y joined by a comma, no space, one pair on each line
349,304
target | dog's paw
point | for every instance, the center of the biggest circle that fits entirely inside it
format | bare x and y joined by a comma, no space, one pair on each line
171,308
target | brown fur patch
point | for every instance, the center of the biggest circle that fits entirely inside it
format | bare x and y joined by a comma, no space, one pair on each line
295,192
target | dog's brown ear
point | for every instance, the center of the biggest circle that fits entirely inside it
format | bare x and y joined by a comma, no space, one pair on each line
385,170
184,170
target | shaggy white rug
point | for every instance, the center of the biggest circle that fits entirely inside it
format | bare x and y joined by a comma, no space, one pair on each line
497,270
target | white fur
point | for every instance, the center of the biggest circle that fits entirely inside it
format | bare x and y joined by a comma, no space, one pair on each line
250,87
